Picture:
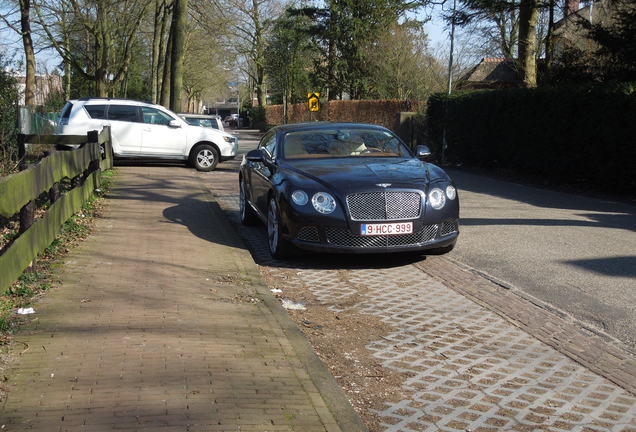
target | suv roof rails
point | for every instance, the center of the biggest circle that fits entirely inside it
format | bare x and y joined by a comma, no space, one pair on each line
114,99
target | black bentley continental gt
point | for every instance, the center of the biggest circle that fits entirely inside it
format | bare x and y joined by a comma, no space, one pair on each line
342,187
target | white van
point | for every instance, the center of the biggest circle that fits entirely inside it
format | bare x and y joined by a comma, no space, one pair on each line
142,130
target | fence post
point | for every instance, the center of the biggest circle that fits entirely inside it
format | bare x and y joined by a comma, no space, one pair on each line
26,216
54,192
91,137
21,152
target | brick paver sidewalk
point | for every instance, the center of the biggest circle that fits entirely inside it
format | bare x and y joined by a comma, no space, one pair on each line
161,324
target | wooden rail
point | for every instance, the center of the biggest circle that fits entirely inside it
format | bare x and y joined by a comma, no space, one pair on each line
19,192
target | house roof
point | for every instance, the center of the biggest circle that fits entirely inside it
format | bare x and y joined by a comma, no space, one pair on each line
492,70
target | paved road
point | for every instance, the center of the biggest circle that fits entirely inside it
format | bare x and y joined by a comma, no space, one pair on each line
465,367
573,252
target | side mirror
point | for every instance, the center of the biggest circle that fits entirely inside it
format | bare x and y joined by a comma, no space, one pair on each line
174,124
422,152
255,155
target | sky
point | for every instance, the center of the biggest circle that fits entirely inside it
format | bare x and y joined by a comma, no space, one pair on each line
11,43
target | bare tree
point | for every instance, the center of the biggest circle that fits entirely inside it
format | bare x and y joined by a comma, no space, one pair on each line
110,29
24,30
250,23
177,31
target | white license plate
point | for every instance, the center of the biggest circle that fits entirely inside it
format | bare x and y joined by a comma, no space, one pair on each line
386,228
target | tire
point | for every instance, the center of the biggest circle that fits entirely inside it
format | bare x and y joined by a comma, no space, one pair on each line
204,157
246,212
278,246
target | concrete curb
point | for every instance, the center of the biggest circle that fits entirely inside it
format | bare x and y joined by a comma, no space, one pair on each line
333,395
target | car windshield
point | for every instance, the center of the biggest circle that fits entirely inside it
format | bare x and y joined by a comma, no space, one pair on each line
338,143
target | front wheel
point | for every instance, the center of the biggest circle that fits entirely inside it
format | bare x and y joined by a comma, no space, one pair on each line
246,212
204,157
278,246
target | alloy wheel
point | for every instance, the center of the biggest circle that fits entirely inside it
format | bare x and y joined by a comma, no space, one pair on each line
205,158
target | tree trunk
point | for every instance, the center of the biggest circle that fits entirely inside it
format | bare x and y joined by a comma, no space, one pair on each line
261,90
165,82
67,70
549,40
179,16
27,41
528,16
163,51
101,84
154,72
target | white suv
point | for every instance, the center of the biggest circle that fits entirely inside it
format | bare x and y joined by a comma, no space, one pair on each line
142,130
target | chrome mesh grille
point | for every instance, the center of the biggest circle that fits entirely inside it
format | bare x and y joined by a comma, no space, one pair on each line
448,227
344,237
308,233
389,205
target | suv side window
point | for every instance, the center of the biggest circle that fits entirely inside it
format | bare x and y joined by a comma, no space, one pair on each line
66,113
269,144
155,116
129,113
96,111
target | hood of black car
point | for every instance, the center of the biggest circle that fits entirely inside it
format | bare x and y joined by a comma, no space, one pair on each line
351,174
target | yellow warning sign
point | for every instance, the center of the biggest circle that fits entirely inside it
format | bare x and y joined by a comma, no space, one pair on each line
313,99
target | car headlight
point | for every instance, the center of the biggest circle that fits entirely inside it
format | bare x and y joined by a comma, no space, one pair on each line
299,197
451,192
228,139
437,198
323,202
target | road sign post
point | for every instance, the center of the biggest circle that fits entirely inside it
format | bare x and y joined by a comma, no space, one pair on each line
313,102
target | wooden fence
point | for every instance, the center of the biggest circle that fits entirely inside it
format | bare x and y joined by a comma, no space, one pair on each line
19,193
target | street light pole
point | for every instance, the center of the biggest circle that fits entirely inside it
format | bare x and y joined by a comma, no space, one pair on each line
449,88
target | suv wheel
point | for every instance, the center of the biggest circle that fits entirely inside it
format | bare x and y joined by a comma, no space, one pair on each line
204,157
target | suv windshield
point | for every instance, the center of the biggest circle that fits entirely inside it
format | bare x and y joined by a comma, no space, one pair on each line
338,143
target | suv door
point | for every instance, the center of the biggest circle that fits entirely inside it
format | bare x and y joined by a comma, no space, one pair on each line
125,124
158,138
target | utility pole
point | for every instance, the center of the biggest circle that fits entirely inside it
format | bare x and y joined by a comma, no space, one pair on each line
452,48
449,87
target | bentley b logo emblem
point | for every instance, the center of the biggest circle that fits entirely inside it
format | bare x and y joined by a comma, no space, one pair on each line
384,185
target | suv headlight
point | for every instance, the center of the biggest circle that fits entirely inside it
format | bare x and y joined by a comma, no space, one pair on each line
323,202
437,198
228,139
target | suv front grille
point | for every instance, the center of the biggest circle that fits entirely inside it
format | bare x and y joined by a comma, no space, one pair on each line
389,205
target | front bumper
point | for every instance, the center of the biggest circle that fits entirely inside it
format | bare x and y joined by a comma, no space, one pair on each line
229,150
335,239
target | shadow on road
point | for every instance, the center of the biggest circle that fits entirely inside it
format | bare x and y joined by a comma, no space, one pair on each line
605,220
601,213
622,266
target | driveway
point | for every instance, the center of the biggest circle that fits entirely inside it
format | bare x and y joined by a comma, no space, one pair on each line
575,253
415,349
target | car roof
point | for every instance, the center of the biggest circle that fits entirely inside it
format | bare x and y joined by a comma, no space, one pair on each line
99,101
293,127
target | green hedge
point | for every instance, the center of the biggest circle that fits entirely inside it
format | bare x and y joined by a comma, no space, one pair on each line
582,134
